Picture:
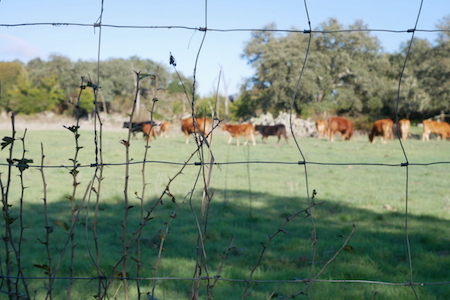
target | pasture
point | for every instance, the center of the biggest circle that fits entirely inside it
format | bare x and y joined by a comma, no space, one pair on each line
255,190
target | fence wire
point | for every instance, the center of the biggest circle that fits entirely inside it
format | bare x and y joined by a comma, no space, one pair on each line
204,162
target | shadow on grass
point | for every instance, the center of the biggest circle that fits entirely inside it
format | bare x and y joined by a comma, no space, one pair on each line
378,248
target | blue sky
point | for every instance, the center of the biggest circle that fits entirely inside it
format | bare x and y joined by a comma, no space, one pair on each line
221,51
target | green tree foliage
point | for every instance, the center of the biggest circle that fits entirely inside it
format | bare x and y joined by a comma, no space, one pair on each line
430,65
425,88
28,97
243,107
345,71
354,68
24,87
413,97
56,65
9,74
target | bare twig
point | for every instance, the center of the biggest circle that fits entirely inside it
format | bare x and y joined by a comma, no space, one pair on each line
269,240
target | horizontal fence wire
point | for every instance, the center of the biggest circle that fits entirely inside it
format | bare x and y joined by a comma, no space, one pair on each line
305,31
202,163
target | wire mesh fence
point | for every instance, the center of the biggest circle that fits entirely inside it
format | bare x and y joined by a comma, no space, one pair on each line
97,236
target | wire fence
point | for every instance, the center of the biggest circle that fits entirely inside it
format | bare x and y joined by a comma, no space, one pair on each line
15,280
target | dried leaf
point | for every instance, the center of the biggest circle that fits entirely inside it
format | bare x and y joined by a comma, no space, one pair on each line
9,220
62,225
45,267
349,249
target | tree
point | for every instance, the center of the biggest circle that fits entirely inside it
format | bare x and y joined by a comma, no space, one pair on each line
425,86
9,74
58,65
26,97
274,57
355,68
413,97
345,71
24,87
434,70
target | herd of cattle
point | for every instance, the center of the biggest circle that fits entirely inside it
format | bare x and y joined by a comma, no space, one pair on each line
384,128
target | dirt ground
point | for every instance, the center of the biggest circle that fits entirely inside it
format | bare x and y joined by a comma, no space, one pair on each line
50,121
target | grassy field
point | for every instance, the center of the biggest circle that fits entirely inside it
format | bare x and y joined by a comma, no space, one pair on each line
255,190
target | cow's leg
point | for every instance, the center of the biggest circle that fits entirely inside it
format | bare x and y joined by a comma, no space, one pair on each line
347,136
147,134
148,137
153,133
331,135
230,139
253,138
372,137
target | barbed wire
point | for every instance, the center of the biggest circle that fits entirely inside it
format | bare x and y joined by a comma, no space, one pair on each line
201,163
305,31
303,162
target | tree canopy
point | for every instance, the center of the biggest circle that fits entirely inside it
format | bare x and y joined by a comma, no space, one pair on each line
49,85
346,72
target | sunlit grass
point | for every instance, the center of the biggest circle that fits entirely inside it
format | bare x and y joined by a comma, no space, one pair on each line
252,199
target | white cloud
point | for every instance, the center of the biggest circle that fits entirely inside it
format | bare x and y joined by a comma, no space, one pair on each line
12,47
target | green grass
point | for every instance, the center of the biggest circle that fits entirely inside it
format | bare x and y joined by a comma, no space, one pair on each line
250,202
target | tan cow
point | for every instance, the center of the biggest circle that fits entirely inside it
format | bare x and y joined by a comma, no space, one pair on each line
341,125
246,130
164,128
404,127
384,129
203,126
442,129
321,126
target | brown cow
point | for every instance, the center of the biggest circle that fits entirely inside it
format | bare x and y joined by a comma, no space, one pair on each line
384,129
321,126
342,125
404,127
149,131
164,128
203,126
246,130
442,129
